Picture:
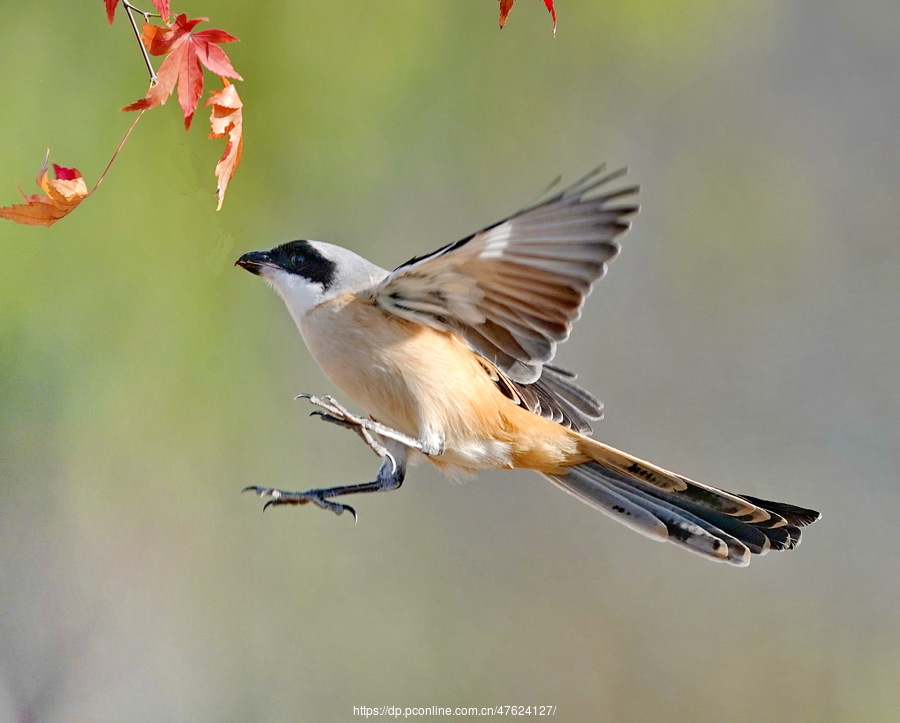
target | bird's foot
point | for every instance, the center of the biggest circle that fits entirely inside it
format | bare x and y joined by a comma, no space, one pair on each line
364,427
316,497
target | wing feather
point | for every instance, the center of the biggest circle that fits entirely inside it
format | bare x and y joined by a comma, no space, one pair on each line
514,289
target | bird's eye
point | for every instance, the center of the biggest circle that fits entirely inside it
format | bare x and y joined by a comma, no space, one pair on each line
297,260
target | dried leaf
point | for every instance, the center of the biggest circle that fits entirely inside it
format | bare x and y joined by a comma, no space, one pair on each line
64,193
506,6
187,52
227,118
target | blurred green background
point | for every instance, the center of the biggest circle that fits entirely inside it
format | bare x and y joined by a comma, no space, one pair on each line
748,336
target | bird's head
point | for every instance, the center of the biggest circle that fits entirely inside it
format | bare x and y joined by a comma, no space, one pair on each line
308,273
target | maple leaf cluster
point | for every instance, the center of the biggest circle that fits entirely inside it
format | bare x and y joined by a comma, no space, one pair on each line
186,53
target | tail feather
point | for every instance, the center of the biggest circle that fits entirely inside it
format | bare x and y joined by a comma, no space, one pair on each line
714,523
760,537
608,500
673,524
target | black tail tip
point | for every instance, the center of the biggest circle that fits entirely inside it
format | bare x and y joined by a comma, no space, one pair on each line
799,516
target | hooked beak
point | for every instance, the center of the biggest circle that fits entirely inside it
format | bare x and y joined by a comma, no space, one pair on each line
255,262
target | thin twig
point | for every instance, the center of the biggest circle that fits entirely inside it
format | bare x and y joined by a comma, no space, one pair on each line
119,148
137,34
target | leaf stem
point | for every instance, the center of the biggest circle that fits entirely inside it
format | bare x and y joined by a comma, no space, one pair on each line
137,34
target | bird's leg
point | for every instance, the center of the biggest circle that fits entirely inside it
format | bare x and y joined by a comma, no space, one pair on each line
390,477
377,447
336,414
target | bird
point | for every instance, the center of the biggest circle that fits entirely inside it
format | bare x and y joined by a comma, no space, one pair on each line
450,355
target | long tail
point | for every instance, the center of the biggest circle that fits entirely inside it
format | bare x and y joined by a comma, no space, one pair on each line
666,506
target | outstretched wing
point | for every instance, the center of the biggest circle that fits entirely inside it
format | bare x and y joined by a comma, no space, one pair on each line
514,289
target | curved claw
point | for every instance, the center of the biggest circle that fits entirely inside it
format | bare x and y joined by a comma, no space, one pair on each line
392,458
329,417
335,507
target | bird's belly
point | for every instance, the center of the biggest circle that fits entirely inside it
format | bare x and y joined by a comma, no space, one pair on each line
419,381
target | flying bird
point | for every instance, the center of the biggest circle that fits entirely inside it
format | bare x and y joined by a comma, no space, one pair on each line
450,355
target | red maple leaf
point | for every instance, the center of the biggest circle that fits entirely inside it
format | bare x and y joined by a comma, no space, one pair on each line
185,52
162,7
506,6
227,118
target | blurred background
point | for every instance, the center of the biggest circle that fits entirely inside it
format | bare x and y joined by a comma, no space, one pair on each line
748,336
